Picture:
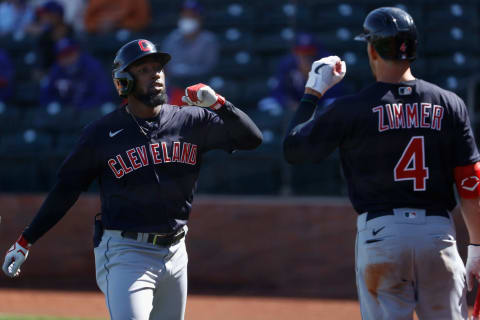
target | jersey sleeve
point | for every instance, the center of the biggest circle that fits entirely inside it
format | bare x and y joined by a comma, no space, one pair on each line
465,147
229,128
82,165
314,139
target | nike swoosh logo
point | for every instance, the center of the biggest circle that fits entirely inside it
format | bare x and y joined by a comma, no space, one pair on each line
113,134
374,232
318,68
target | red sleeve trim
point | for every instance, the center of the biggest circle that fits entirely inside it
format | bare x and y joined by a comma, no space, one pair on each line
467,179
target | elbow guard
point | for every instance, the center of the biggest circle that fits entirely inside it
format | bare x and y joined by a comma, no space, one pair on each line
467,179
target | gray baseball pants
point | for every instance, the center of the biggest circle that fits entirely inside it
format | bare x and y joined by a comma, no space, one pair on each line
141,281
409,261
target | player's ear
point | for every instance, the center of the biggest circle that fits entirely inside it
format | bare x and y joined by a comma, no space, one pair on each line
372,52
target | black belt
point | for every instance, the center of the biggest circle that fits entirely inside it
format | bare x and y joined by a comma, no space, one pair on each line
372,214
158,239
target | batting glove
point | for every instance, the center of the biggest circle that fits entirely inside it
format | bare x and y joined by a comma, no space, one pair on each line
326,73
203,96
473,265
15,257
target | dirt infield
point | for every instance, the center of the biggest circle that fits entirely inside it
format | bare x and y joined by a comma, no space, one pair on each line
91,305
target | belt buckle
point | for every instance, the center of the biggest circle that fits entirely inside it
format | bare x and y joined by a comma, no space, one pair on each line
155,237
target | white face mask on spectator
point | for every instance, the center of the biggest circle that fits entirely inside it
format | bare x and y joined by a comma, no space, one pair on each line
188,25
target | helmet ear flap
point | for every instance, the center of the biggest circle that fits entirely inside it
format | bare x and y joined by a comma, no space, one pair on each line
124,83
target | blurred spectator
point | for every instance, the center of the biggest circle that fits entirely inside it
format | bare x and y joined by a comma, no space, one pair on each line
293,69
74,13
194,50
15,16
104,16
6,76
49,28
76,79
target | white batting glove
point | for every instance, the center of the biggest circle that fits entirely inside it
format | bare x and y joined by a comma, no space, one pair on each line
15,257
326,73
473,265
203,96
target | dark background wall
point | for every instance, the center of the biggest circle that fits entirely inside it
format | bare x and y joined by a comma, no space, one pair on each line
237,245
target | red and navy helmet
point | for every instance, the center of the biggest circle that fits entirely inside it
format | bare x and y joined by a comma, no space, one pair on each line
392,33
131,52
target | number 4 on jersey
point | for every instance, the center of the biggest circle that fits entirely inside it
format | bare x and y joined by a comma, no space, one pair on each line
411,165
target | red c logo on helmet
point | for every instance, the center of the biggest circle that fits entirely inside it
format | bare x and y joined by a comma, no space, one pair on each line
144,45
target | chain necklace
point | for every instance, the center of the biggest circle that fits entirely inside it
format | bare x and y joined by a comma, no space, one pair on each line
138,124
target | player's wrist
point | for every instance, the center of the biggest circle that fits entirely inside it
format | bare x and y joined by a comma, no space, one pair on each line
22,241
219,103
313,92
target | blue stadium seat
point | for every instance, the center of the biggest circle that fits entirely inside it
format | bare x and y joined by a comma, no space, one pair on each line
439,13
27,142
448,38
228,13
333,14
53,117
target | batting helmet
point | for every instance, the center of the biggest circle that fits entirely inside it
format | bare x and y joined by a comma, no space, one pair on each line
133,51
392,33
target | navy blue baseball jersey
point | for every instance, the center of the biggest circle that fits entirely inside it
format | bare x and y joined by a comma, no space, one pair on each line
399,143
147,169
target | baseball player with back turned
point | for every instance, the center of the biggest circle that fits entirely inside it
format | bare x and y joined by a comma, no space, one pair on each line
403,144
146,156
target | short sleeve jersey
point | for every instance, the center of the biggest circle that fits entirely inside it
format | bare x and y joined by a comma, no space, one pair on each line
399,144
146,181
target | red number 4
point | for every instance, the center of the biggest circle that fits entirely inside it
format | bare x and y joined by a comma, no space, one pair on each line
411,165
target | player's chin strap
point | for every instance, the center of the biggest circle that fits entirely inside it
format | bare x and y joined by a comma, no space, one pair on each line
203,96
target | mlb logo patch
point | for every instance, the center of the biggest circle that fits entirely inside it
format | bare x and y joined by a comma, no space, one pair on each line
410,214
405,91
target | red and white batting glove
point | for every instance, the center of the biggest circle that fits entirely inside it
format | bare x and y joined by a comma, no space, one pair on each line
326,73
15,257
473,265
203,96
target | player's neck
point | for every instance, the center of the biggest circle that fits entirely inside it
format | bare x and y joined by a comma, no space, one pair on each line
140,110
394,73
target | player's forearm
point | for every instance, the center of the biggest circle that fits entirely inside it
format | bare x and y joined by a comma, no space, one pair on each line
295,146
241,129
60,199
304,111
471,216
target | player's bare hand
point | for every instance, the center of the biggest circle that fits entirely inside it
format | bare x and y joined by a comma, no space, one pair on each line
473,266
203,96
15,257
326,73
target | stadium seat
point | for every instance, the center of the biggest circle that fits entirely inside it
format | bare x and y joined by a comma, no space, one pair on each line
53,117
448,38
324,178
19,174
10,117
440,13
334,14
27,142
26,93
228,14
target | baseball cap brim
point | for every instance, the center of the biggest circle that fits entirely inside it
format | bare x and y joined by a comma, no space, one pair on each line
361,37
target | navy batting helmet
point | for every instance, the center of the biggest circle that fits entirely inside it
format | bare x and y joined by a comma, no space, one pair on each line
128,54
392,33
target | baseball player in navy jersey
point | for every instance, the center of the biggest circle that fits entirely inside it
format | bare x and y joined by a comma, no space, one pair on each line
403,144
146,157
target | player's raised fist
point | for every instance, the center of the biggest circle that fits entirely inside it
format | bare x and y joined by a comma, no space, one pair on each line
203,96
325,73
15,257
